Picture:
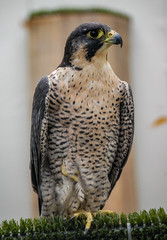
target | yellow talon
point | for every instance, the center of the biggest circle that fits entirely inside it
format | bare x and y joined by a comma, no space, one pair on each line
75,178
89,220
64,170
88,216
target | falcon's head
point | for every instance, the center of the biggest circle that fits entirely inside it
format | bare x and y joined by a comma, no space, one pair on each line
88,41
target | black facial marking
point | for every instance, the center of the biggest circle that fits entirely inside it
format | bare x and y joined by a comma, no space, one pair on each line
79,37
94,45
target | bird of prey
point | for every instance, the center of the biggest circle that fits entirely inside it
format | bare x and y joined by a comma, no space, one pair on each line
82,126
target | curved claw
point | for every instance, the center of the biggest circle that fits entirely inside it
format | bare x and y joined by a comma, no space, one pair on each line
71,218
89,219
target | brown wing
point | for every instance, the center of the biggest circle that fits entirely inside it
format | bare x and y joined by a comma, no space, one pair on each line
38,114
125,136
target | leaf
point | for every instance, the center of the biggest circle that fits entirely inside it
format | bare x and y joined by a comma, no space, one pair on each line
124,220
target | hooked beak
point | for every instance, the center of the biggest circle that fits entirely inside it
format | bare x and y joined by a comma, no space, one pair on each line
113,38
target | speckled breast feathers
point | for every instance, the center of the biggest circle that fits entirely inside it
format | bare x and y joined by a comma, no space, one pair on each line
85,134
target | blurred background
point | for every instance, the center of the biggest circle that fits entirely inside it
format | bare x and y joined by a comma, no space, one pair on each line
146,52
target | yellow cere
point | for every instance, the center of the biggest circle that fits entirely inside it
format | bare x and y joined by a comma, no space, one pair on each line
111,33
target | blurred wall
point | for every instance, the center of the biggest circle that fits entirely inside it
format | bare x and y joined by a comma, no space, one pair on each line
148,65
14,115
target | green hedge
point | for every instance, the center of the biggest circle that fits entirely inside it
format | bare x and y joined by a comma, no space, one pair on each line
46,12
144,225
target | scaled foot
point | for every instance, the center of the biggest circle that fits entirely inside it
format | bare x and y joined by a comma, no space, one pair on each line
75,178
89,217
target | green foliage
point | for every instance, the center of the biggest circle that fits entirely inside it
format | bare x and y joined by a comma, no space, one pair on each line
144,225
75,10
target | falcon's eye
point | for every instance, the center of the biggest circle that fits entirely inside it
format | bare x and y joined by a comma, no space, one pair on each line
97,33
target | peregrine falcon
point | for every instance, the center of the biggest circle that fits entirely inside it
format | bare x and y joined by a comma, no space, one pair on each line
82,126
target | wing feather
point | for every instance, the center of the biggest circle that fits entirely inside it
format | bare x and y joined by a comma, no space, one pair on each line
125,136
38,115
